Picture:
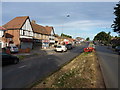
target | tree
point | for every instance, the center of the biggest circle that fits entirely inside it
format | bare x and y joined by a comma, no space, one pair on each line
116,25
103,37
87,39
64,35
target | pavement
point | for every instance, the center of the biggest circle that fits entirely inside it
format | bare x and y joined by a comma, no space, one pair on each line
36,52
108,60
32,70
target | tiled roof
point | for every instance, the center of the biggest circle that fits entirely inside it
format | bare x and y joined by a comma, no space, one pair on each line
16,23
41,29
2,28
38,28
48,30
71,39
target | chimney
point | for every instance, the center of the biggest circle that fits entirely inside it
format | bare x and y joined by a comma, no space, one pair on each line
33,21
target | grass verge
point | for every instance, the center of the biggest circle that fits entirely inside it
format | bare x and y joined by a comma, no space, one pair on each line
81,72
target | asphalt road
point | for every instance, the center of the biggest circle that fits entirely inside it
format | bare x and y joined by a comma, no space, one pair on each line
109,64
30,70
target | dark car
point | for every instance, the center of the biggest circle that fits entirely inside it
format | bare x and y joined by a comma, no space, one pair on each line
7,58
117,49
119,53
69,46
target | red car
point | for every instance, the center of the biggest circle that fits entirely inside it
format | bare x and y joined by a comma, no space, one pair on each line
89,49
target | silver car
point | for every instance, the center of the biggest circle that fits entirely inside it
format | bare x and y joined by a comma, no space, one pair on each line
13,49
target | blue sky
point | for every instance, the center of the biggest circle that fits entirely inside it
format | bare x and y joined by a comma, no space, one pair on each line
86,18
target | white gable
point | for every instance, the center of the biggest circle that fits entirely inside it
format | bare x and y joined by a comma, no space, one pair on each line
1,33
26,31
52,33
27,26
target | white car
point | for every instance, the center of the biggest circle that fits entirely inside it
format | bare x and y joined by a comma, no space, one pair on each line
61,48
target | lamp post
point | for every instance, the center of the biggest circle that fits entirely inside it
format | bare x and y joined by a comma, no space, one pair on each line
63,23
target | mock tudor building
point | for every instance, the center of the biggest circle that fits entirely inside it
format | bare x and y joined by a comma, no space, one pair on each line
51,35
21,30
43,36
39,34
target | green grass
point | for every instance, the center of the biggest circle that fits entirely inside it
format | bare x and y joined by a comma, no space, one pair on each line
86,53
21,57
60,82
35,53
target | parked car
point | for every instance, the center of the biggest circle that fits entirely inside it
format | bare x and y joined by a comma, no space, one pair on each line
117,48
119,53
13,49
61,48
8,58
69,46
92,45
102,44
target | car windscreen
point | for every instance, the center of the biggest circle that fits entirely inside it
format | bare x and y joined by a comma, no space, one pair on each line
14,47
68,45
58,46
118,47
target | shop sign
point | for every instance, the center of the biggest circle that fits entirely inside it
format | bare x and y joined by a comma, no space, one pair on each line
26,40
45,41
66,42
52,41
36,40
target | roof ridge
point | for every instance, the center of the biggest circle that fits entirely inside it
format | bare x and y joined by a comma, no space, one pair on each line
16,22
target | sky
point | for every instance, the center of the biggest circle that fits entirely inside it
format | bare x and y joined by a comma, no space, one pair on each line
86,19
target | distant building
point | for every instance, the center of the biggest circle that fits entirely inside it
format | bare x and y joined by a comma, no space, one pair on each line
115,41
79,39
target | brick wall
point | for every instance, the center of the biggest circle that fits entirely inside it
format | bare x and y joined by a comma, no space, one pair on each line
16,36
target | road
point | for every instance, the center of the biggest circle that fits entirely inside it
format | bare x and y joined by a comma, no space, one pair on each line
109,65
30,70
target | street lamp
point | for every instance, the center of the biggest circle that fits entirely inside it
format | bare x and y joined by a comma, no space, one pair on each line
63,23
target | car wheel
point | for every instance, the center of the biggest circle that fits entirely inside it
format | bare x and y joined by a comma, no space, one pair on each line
15,61
62,51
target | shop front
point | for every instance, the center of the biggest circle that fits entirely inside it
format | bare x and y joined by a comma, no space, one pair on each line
26,43
45,44
37,44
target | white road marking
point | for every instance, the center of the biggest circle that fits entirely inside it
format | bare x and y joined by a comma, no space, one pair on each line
22,66
49,58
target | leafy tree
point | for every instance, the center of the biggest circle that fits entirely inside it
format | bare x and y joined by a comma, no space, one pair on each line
116,25
87,39
103,37
64,35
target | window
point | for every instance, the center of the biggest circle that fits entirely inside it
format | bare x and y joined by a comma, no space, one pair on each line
31,34
23,32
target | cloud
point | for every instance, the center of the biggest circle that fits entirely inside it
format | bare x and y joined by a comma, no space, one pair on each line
84,25
86,19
